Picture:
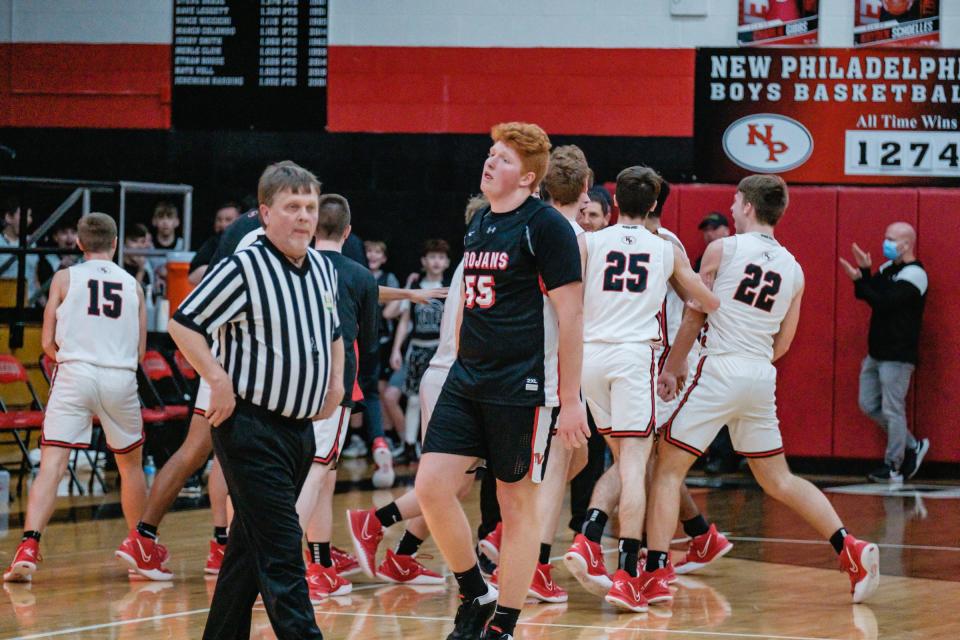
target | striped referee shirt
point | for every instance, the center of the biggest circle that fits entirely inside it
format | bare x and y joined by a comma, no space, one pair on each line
274,322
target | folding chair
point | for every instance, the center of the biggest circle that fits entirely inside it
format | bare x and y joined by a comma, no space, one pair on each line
19,424
165,392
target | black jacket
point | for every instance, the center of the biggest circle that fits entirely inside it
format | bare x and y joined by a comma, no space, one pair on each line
897,298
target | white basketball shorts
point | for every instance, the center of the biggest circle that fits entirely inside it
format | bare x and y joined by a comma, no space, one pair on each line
734,391
330,434
79,391
619,386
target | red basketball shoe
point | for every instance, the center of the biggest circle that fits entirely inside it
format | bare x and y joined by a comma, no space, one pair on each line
24,562
703,550
543,588
145,556
626,592
490,545
861,561
366,533
655,586
406,570
585,561
343,562
214,558
323,582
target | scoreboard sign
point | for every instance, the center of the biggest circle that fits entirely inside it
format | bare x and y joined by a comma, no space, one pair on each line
883,116
250,64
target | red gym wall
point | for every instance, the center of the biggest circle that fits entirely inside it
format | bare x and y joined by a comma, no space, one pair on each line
818,378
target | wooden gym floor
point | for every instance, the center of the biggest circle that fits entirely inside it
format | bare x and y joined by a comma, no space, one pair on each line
779,581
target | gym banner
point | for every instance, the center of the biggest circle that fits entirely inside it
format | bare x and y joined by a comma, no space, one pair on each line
777,22
896,23
854,116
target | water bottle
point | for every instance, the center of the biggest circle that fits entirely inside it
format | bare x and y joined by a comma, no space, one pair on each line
149,471
151,308
4,500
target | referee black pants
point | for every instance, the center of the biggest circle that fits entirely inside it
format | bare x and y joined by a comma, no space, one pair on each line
265,459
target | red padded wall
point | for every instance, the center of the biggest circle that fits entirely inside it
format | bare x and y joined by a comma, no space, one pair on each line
938,373
805,374
697,200
85,85
466,89
862,217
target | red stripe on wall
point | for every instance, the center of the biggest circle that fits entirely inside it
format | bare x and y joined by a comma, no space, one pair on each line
624,92
85,85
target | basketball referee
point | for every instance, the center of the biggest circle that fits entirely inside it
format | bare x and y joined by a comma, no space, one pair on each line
272,307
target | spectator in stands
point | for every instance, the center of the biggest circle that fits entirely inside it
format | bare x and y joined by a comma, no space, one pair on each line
376,254
595,214
714,225
896,293
421,323
64,237
226,213
166,221
10,238
137,236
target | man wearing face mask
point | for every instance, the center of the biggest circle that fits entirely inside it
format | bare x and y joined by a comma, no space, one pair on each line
896,294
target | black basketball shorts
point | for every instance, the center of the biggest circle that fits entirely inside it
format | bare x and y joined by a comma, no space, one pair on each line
514,440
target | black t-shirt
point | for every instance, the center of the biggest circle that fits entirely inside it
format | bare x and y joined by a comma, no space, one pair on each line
509,334
357,305
386,326
205,253
426,317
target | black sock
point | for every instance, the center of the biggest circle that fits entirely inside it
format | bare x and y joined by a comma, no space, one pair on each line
389,515
504,619
629,554
471,583
696,526
220,535
594,524
837,539
656,560
643,540
31,534
147,530
544,553
409,544
320,553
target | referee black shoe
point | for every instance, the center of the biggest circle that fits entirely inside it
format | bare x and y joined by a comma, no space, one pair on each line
913,458
472,616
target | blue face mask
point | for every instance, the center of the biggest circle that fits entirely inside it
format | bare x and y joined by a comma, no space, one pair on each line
890,250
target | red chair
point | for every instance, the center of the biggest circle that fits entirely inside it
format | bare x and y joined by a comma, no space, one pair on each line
21,424
184,367
164,390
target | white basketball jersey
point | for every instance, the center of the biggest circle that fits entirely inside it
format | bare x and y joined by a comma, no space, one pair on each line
756,283
99,319
673,304
447,351
577,229
624,284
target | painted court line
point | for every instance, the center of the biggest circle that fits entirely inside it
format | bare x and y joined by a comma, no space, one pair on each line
182,614
882,545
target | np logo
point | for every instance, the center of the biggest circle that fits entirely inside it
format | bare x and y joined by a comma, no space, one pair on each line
492,228
629,240
767,143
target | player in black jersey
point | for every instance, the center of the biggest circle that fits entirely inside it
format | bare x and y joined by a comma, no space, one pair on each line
517,375
358,309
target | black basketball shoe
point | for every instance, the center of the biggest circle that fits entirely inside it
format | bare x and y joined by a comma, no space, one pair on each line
472,616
